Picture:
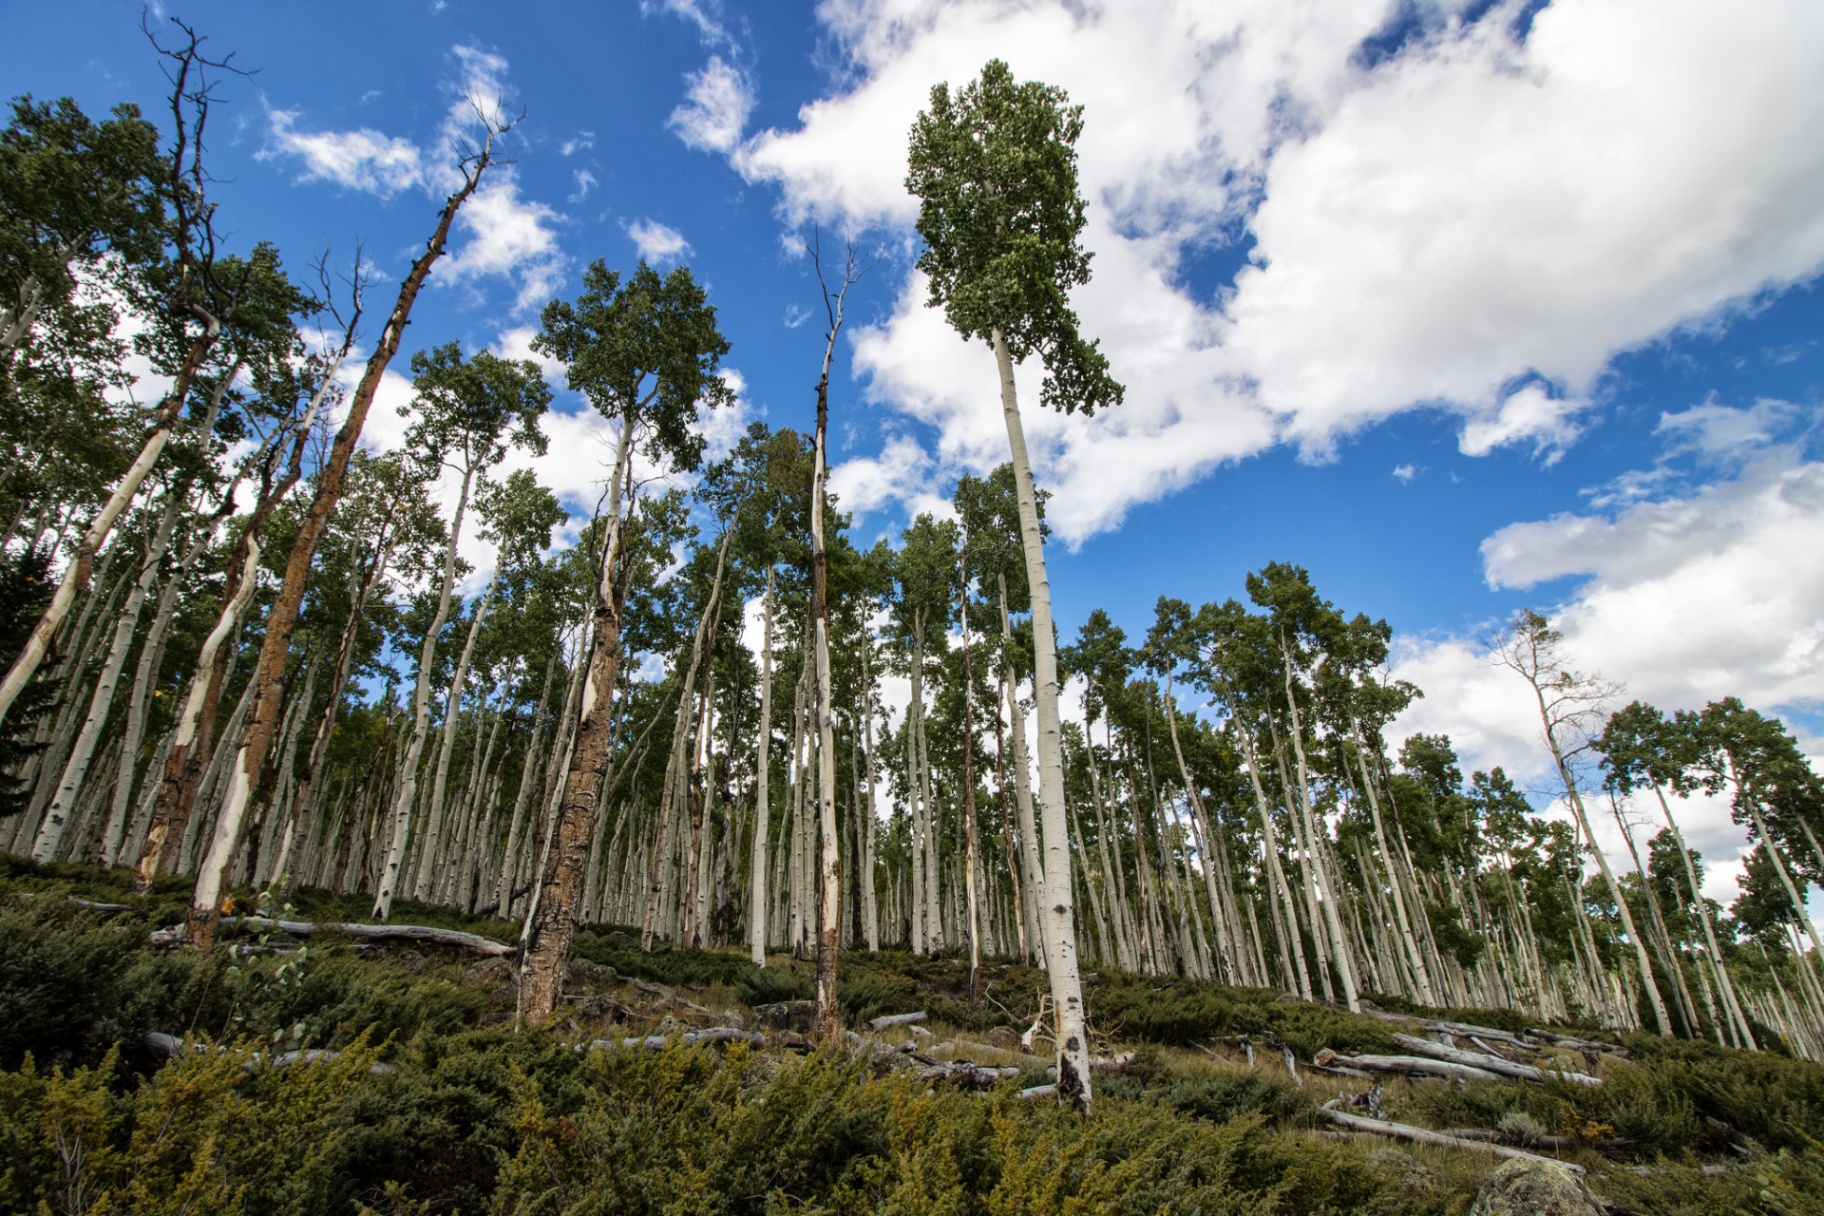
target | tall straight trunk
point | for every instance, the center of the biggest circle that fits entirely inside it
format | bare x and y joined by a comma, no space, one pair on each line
1022,778
1059,919
76,770
975,941
1014,864
275,646
406,800
551,926
870,896
763,781
829,868
658,884
689,925
915,794
433,828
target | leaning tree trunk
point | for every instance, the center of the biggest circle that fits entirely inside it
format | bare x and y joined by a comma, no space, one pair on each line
552,924
76,769
76,574
275,646
1738,1019
1059,916
1608,875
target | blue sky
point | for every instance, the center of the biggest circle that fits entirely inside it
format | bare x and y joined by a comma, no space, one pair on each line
1463,307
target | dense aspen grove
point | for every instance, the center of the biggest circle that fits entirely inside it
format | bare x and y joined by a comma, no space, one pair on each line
242,647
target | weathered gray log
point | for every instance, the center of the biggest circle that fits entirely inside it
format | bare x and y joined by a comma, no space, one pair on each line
1039,1091
1420,1135
896,1019
1490,1063
1576,1044
171,1046
690,1038
1466,1029
1420,1064
304,928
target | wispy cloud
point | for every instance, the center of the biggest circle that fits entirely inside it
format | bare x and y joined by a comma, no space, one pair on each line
363,159
715,107
585,182
657,243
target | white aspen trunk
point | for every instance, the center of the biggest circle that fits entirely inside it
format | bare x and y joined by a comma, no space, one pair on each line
757,905
76,574
528,774
421,717
1275,875
829,868
870,896
922,880
1022,785
433,828
1313,829
1602,863
1737,1020
279,813
1416,958
1059,919
76,770
144,675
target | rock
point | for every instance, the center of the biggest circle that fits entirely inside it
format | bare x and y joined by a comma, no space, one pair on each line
787,1015
591,975
1402,1169
1534,1188
411,960
494,973
1005,1038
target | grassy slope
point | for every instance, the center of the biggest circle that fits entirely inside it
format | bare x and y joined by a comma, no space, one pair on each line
474,1116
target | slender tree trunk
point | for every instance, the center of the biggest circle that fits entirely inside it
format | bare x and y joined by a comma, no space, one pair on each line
401,818
76,574
975,941
433,828
763,781
1059,917
76,770
1700,908
829,869
262,719
552,925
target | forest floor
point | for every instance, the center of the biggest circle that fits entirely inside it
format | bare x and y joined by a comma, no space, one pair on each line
330,1074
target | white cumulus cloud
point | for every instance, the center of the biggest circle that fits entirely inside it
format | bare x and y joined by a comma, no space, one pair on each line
1477,223
715,107
657,243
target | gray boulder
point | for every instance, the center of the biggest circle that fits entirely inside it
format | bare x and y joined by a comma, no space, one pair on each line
1534,1188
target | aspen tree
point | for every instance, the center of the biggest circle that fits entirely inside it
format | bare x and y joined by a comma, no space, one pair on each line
275,644
994,169
645,353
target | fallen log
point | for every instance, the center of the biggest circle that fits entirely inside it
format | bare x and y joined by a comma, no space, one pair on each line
1420,1135
690,1038
896,1019
1574,1043
304,928
1403,1065
1491,1063
1039,1091
969,1076
172,1047
1466,1029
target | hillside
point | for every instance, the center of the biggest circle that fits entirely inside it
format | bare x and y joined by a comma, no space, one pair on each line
415,1092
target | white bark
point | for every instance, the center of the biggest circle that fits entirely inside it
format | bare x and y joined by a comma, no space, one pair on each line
757,906
1059,916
